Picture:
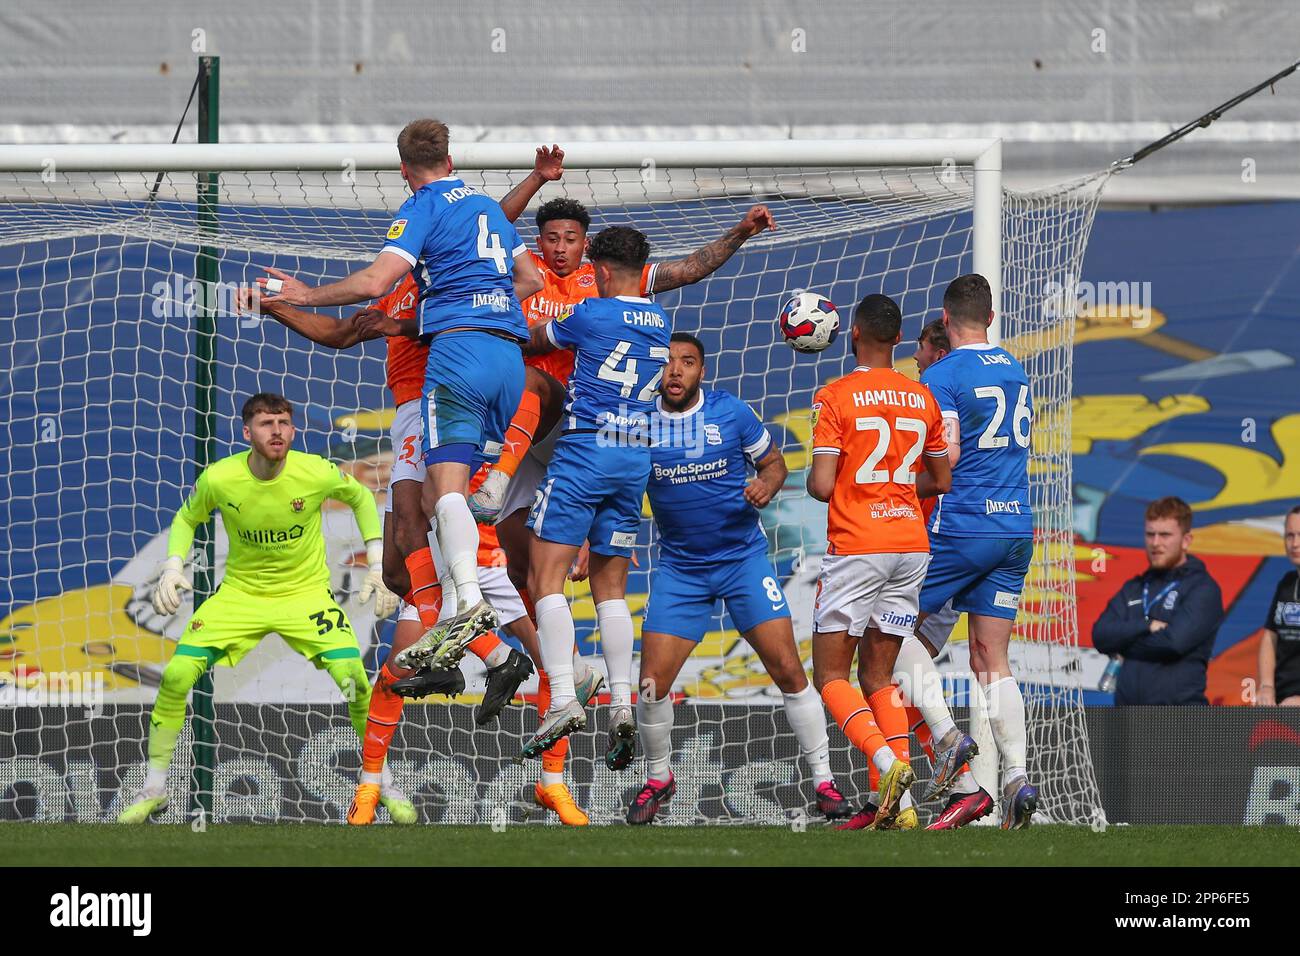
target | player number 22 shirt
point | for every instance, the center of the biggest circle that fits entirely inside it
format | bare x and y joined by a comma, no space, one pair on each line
879,423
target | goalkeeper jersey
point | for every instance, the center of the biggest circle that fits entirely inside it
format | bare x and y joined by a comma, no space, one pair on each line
276,545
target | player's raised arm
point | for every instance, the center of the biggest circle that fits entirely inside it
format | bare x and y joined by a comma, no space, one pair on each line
547,168
322,329
196,510
361,286
709,258
362,502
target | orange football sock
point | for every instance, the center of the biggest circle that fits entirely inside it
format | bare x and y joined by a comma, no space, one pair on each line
891,718
381,722
484,644
552,758
426,592
519,435
853,715
527,600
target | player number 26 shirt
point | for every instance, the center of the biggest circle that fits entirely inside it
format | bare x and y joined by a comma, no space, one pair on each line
879,423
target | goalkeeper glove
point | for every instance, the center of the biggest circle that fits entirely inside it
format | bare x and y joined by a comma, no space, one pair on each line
385,600
171,581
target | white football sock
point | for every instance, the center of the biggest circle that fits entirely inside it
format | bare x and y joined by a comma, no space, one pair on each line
551,777
1007,719
458,538
918,680
654,720
445,580
906,801
808,721
155,779
555,635
883,758
616,639
966,783
498,655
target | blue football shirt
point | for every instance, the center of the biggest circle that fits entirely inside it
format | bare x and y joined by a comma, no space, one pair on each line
461,248
620,348
987,391
698,472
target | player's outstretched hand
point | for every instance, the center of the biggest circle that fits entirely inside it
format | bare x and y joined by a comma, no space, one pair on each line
758,219
279,286
757,493
549,163
171,582
377,321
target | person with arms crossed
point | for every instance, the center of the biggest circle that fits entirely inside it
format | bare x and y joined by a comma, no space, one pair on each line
1162,623
471,268
1279,647
712,547
595,482
874,430
276,581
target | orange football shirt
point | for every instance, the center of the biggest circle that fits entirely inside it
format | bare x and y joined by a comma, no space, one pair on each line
407,358
557,297
879,423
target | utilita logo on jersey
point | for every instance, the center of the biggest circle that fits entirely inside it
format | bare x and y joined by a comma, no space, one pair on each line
992,507
271,535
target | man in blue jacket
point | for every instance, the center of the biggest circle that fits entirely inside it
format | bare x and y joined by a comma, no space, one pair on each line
1163,622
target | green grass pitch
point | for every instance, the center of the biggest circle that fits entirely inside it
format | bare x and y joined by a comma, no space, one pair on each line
27,844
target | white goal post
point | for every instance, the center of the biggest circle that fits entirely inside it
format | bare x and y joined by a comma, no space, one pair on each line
96,331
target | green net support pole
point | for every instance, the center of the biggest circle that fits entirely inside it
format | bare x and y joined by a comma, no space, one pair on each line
206,274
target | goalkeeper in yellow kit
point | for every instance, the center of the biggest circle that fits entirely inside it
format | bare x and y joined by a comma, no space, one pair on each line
276,580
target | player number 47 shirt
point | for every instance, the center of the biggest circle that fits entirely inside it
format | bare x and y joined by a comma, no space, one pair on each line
879,423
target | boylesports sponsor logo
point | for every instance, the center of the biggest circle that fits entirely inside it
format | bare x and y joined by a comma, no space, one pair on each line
992,507
271,535
1006,599
688,471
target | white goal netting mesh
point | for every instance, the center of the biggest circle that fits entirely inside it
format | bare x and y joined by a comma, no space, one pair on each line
98,365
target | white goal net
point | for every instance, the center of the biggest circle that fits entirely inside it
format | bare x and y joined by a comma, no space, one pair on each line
102,357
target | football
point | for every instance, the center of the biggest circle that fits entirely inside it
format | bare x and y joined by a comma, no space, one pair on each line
809,322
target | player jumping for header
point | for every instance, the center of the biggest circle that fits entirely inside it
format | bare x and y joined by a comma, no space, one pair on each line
596,480
276,580
472,269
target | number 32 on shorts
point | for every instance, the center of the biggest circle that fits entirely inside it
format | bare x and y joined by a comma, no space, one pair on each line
323,623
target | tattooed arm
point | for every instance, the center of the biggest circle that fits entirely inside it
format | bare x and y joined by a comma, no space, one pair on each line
708,258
